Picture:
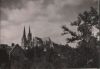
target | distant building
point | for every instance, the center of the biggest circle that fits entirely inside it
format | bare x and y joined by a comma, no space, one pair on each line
26,41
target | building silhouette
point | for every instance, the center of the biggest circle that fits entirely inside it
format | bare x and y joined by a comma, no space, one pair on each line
26,41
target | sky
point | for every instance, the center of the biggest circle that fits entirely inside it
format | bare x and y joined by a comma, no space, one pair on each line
45,18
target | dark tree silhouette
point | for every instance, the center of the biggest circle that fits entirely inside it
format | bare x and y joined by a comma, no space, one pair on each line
3,56
86,50
84,23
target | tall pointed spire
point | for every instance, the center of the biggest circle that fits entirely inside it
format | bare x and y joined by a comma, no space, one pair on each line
24,40
29,30
24,34
29,35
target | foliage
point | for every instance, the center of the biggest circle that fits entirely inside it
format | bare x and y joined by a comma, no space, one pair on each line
84,23
86,50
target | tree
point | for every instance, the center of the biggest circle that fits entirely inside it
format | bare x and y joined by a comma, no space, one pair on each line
87,42
85,22
4,58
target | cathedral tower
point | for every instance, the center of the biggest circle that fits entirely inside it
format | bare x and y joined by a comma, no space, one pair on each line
29,38
29,35
24,40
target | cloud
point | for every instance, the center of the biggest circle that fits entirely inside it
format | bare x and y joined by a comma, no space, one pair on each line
51,5
32,12
11,4
68,2
44,16
42,20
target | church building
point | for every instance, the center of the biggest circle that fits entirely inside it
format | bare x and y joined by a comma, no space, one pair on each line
26,40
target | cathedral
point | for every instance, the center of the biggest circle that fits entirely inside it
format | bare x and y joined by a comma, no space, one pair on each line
26,39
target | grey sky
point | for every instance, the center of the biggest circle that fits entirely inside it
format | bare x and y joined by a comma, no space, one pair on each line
45,17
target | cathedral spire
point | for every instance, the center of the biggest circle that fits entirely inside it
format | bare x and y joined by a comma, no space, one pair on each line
24,34
24,40
29,30
29,35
